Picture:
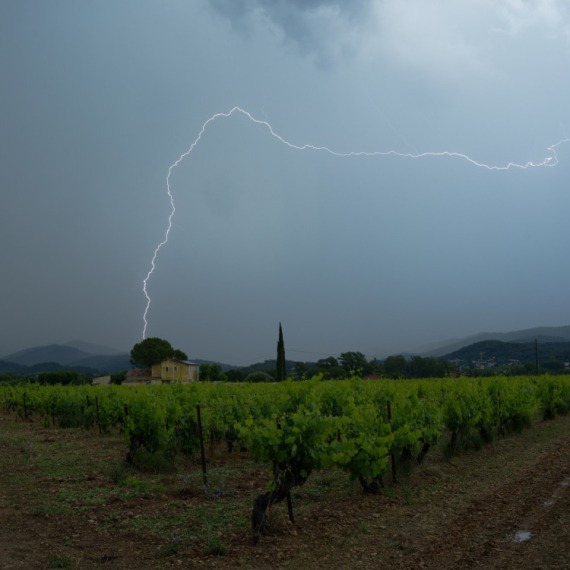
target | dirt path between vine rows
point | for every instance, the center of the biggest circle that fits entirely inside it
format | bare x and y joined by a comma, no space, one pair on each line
505,506
520,521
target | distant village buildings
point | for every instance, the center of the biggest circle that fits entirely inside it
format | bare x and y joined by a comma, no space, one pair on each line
372,377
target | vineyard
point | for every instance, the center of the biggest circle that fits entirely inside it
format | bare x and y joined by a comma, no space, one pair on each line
366,429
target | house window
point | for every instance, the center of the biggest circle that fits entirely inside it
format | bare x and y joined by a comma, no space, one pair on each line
175,368
166,368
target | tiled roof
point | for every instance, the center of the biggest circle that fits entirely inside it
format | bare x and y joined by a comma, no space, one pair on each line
139,373
183,361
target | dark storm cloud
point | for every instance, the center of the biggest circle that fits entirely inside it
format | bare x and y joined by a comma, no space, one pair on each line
370,254
320,27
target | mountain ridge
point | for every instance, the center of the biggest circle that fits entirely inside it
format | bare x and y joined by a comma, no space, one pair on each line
67,357
96,349
77,353
499,353
542,334
49,353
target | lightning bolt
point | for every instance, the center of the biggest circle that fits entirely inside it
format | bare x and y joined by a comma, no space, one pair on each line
548,161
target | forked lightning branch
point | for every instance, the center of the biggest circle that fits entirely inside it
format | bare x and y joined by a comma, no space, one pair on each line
549,161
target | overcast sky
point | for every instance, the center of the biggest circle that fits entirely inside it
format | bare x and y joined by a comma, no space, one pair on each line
372,253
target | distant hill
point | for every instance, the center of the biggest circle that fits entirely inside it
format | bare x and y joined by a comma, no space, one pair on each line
267,365
225,367
63,355
22,370
257,367
75,355
542,334
103,363
503,353
91,348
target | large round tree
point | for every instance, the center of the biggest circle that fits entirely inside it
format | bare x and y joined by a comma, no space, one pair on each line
152,351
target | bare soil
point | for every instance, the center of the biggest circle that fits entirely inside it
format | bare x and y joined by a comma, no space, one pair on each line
61,508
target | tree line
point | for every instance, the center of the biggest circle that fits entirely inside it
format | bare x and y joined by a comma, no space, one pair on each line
153,350
351,364
347,365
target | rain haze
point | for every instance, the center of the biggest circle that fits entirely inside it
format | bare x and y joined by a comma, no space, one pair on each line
377,254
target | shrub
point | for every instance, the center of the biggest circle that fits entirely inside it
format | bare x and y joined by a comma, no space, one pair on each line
62,377
259,377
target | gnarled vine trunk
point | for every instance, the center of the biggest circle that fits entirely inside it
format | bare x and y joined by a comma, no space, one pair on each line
374,487
287,477
422,454
133,448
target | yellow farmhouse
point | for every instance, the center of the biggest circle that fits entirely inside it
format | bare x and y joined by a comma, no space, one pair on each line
174,369
166,371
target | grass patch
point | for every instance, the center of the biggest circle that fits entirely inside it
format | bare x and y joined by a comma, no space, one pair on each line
218,486
158,462
119,471
140,486
324,486
59,561
175,545
407,495
70,500
215,546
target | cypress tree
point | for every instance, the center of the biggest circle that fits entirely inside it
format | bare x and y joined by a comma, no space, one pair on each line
280,357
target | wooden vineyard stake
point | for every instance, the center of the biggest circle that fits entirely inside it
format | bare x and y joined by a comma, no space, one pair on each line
394,478
500,418
201,444
126,408
97,406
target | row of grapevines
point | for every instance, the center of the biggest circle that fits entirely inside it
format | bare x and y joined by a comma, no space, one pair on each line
346,422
